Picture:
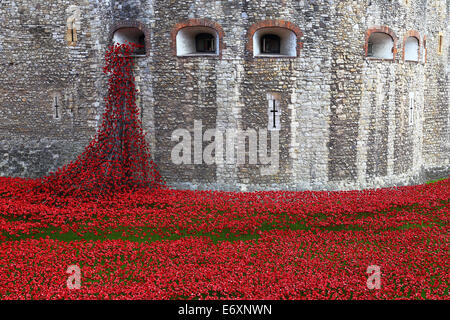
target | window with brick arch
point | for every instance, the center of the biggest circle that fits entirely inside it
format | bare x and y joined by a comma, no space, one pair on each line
380,46
412,49
133,35
197,41
276,42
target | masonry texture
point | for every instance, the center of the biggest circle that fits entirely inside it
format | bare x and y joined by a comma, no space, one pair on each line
345,117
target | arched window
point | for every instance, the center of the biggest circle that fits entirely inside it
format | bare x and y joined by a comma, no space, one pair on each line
412,49
133,35
274,38
380,45
192,41
205,42
275,42
73,24
197,37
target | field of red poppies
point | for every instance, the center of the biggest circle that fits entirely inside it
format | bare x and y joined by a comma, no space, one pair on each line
167,244
109,220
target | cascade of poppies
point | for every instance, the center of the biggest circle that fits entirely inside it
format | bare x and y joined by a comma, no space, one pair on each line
118,158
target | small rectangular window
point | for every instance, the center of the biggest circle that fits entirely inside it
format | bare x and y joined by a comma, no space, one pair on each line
441,43
56,106
411,108
274,112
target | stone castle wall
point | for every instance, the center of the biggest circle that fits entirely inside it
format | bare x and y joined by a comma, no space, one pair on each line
344,117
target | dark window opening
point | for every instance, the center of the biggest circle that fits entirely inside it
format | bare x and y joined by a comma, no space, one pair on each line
271,43
56,106
370,49
440,45
205,42
141,43
132,35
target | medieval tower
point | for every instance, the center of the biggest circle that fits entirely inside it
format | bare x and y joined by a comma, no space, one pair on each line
356,91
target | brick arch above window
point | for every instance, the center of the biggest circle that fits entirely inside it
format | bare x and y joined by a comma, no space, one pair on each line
131,24
381,29
414,34
424,50
205,23
274,24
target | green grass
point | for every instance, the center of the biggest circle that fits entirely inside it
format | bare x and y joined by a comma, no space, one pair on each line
137,234
434,181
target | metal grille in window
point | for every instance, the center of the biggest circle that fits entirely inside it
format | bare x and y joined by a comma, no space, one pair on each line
205,42
271,43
